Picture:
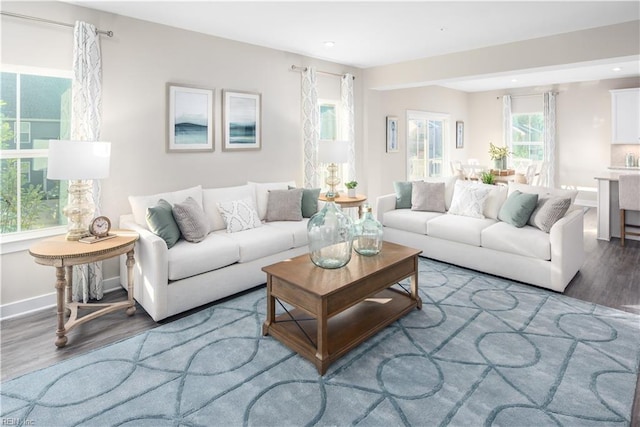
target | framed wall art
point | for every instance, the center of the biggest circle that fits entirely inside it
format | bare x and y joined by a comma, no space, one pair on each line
392,135
241,118
459,134
189,119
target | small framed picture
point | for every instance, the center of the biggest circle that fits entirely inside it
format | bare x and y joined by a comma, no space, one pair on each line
189,119
241,118
459,134
392,134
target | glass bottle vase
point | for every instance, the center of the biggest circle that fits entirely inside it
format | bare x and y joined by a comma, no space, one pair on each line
368,234
330,234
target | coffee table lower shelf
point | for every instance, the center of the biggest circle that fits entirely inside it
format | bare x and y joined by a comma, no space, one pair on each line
345,331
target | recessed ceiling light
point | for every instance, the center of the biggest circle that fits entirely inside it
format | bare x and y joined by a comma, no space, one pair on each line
616,69
329,43
514,80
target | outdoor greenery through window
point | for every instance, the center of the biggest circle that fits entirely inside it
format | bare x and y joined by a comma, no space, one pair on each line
34,108
527,136
330,112
426,139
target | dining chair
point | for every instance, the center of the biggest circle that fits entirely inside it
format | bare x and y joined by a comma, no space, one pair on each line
456,169
543,175
530,173
629,200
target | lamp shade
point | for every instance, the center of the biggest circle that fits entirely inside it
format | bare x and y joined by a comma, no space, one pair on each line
333,152
77,160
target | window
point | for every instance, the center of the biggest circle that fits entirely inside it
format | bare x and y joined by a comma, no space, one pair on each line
527,138
34,108
427,135
330,115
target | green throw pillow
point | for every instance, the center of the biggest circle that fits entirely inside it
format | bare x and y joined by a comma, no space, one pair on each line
162,223
518,207
403,194
309,201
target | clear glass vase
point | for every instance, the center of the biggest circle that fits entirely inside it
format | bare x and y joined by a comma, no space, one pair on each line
367,234
330,234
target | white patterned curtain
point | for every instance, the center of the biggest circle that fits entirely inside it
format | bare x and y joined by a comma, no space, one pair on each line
550,137
86,118
348,122
506,122
310,127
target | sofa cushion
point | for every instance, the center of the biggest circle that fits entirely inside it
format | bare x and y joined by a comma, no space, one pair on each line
260,242
140,204
403,191
548,211
469,199
428,196
462,229
261,190
161,222
239,215
284,205
193,223
517,209
298,230
309,201
408,220
542,191
212,196
188,259
527,241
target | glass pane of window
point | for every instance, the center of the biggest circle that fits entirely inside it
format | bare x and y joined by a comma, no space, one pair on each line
527,133
425,147
328,122
34,109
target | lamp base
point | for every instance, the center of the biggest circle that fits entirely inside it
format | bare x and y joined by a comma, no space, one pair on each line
80,209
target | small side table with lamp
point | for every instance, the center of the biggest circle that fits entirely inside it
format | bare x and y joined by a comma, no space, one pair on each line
88,239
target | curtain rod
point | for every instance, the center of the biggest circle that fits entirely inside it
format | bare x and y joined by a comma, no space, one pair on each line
301,69
526,95
33,18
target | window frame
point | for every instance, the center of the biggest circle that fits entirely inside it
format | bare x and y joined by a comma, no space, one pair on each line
445,118
22,240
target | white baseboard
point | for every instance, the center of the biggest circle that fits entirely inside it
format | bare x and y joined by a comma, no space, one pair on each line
41,302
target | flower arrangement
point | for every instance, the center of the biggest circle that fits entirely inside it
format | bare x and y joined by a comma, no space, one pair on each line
497,153
351,184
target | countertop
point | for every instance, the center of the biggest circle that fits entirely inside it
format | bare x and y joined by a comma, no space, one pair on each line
612,175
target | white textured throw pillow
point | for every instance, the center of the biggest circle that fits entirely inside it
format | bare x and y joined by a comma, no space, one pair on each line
239,215
469,199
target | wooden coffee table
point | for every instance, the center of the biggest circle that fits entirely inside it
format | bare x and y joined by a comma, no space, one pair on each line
336,310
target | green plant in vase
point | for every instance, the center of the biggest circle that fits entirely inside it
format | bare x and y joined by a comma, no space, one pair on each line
488,178
351,188
499,156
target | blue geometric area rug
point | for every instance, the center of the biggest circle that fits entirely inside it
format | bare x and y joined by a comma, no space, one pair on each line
482,351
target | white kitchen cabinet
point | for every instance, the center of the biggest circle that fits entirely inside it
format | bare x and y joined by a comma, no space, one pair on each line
625,116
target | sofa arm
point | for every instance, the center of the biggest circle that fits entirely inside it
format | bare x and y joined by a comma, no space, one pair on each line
151,270
384,204
567,248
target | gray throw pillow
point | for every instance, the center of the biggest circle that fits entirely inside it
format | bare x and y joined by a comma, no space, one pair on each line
284,205
427,196
548,211
309,201
191,219
403,194
518,207
161,223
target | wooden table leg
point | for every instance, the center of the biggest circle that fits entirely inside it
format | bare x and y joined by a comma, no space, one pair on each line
61,283
414,285
322,353
130,263
271,308
69,290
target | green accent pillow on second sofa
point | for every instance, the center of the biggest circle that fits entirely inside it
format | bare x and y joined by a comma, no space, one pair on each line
403,191
517,209
162,223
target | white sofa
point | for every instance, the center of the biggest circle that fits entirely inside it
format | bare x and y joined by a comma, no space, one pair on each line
170,281
527,254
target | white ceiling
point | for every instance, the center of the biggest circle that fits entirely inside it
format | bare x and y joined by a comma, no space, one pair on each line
373,33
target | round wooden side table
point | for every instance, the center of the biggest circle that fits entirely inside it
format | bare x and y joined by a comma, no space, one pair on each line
63,255
348,202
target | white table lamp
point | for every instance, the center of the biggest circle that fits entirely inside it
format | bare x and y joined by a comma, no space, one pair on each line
333,152
79,162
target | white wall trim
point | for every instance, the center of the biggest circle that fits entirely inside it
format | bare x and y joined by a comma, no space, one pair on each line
41,302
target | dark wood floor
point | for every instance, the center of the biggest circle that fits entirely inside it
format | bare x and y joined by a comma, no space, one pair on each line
610,276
